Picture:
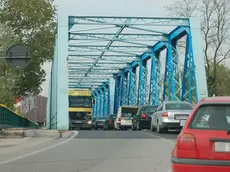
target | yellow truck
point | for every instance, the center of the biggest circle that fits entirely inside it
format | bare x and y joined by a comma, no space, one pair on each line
80,109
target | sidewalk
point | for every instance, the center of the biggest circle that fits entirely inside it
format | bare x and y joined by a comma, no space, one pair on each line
12,145
19,144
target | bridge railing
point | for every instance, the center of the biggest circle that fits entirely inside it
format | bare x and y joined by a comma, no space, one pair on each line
10,119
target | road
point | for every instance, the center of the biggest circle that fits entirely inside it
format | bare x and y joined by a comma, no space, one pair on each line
96,151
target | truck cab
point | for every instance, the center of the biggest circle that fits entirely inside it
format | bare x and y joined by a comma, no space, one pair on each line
80,109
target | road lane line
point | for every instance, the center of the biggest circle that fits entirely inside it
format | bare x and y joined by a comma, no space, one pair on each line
41,150
162,138
166,140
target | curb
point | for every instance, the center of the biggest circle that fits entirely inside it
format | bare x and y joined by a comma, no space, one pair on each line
26,133
11,134
66,134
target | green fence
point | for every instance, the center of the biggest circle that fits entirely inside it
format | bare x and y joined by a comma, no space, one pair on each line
9,119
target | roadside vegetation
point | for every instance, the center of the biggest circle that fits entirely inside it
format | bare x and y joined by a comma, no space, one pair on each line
32,23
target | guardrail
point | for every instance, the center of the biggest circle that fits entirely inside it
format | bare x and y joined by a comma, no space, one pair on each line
10,119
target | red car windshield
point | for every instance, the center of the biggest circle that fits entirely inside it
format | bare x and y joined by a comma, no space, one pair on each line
211,117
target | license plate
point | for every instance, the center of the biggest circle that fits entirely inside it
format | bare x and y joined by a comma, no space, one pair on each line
222,147
181,117
78,122
182,122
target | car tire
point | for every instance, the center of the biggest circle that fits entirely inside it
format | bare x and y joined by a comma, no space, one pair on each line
152,128
133,128
138,126
159,130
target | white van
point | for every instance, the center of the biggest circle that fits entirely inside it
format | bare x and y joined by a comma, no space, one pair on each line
124,117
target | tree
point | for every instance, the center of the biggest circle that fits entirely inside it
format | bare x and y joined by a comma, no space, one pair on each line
215,24
33,23
223,79
7,75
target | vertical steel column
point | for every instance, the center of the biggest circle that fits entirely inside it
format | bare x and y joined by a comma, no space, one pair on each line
198,77
126,89
123,89
141,91
130,94
97,105
53,90
154,91
93,105
189,76
176,70
169,84
108,110
134,90
105,104
119,90
101,102
62,112
145,83
116,95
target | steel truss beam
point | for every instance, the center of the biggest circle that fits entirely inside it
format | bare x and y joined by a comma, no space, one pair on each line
98,67
98,72
113,58
105,75
86,81
117,48
118,21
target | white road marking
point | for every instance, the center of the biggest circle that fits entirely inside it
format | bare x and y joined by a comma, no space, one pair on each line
166,140
41,150
153,135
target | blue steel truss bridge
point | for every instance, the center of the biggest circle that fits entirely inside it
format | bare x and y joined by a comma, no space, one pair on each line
119,59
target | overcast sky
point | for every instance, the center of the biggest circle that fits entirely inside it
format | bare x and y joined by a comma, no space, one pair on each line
142,8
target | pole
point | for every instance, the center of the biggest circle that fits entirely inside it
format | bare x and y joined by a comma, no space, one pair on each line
35,113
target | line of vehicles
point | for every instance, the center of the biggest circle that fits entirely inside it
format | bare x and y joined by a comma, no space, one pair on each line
167,115
203,144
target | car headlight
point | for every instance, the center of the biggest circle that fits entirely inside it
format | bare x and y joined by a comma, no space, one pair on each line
89,122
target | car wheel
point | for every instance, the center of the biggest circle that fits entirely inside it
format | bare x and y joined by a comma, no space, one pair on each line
152,128
138,126
132,127
159,130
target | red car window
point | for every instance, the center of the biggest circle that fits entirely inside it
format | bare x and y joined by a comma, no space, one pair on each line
211,117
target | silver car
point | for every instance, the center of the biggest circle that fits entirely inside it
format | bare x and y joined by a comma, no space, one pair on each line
170,115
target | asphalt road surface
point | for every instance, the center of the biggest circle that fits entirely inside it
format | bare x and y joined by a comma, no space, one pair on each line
96,151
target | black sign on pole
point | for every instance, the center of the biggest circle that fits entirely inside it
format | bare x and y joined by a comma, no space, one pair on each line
18,56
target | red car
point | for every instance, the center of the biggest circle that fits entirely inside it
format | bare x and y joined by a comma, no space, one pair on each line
204,142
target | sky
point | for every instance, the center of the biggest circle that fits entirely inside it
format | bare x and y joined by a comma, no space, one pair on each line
142,8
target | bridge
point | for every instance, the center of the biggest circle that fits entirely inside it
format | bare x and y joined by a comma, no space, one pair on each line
120,60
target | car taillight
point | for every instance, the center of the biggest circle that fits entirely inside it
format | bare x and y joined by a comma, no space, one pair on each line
165,114
119,119
185,146
143,116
